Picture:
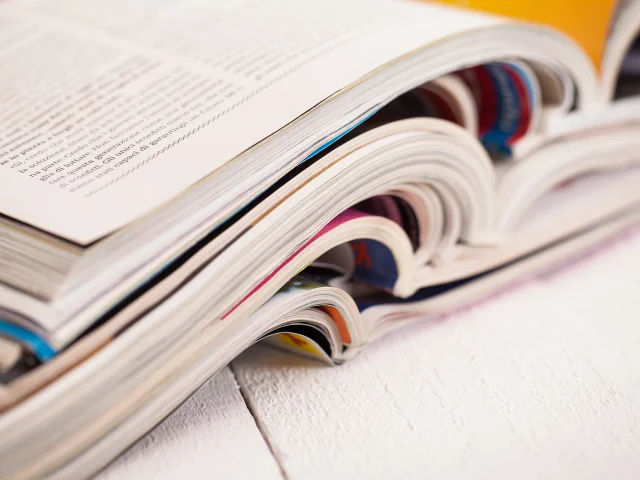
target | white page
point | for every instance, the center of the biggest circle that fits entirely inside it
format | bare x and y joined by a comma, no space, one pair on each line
125,106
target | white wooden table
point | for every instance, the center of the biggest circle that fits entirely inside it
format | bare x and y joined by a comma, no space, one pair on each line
539,382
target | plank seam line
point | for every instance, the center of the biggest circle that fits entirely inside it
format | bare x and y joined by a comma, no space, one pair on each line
249,404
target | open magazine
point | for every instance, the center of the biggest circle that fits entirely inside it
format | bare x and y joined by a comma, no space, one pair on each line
181,180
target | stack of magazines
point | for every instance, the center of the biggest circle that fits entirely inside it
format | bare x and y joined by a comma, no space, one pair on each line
181,179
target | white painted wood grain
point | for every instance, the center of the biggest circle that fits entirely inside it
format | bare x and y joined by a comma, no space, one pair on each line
212,435
541,382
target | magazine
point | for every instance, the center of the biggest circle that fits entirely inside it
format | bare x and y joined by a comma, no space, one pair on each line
181,180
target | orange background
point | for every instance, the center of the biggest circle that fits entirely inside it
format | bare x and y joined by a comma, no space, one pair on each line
587,21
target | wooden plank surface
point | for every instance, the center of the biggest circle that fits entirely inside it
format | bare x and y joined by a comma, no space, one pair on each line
539,382
212,435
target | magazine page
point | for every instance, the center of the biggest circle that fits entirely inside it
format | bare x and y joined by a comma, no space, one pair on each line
586,22
110,110
623,32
